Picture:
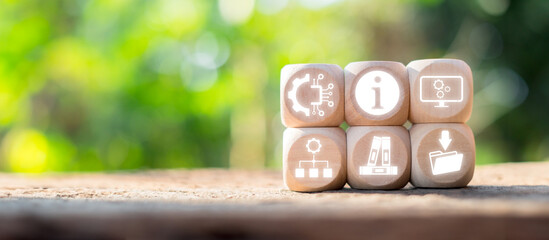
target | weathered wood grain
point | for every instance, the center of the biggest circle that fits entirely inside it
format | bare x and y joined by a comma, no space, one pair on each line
502,201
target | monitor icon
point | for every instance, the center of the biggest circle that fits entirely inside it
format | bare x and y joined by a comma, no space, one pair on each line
441,89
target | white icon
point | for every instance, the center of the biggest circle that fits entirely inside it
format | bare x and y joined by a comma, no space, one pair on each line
313,146
445,162
324,94
377,92
441,89
383,144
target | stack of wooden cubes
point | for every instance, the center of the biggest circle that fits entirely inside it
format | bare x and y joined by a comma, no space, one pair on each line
376,98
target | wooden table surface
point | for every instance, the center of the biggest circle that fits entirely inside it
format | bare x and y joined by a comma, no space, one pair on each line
505,201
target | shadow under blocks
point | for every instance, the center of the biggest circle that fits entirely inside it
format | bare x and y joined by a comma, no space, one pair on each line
376,99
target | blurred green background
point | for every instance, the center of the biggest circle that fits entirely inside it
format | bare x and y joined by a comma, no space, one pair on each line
120,84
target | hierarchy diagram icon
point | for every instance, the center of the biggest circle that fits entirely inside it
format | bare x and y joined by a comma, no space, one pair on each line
313,146
406,124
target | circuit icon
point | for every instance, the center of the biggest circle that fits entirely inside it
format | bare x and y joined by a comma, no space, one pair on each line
314,107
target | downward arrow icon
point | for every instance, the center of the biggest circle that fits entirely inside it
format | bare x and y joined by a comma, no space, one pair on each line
445,139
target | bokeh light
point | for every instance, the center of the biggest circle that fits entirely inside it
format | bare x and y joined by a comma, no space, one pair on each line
123,85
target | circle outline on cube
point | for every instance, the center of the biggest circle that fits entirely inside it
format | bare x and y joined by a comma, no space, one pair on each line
314,159
314,163
364,96
356,74
314,82
372,104
436,161
450,99
312,95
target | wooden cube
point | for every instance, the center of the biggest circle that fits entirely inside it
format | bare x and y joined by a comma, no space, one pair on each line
376,93
443,155
314,159
441,90
378,157
311,95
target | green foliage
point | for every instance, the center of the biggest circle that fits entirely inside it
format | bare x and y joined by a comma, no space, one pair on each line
110,85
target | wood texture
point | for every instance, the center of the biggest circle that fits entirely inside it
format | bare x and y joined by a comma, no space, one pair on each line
312,95
314,159
436,82
361,147
436,149
390,91
505,201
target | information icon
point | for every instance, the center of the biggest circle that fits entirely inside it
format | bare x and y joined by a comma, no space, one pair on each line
377,92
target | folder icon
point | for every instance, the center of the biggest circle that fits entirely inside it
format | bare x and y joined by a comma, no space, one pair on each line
442,163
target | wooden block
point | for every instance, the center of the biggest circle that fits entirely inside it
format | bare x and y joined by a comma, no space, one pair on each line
441,90
443,155
311,95
378,157
376,93
314,159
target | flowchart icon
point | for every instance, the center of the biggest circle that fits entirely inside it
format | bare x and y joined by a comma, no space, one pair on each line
313,146
376,100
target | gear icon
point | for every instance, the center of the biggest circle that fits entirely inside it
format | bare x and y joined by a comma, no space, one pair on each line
313,140
324,95
292,95
440,94
438,84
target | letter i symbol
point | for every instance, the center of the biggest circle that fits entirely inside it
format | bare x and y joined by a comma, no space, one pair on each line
377,93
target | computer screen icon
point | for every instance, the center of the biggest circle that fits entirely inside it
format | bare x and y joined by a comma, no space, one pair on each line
441,89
